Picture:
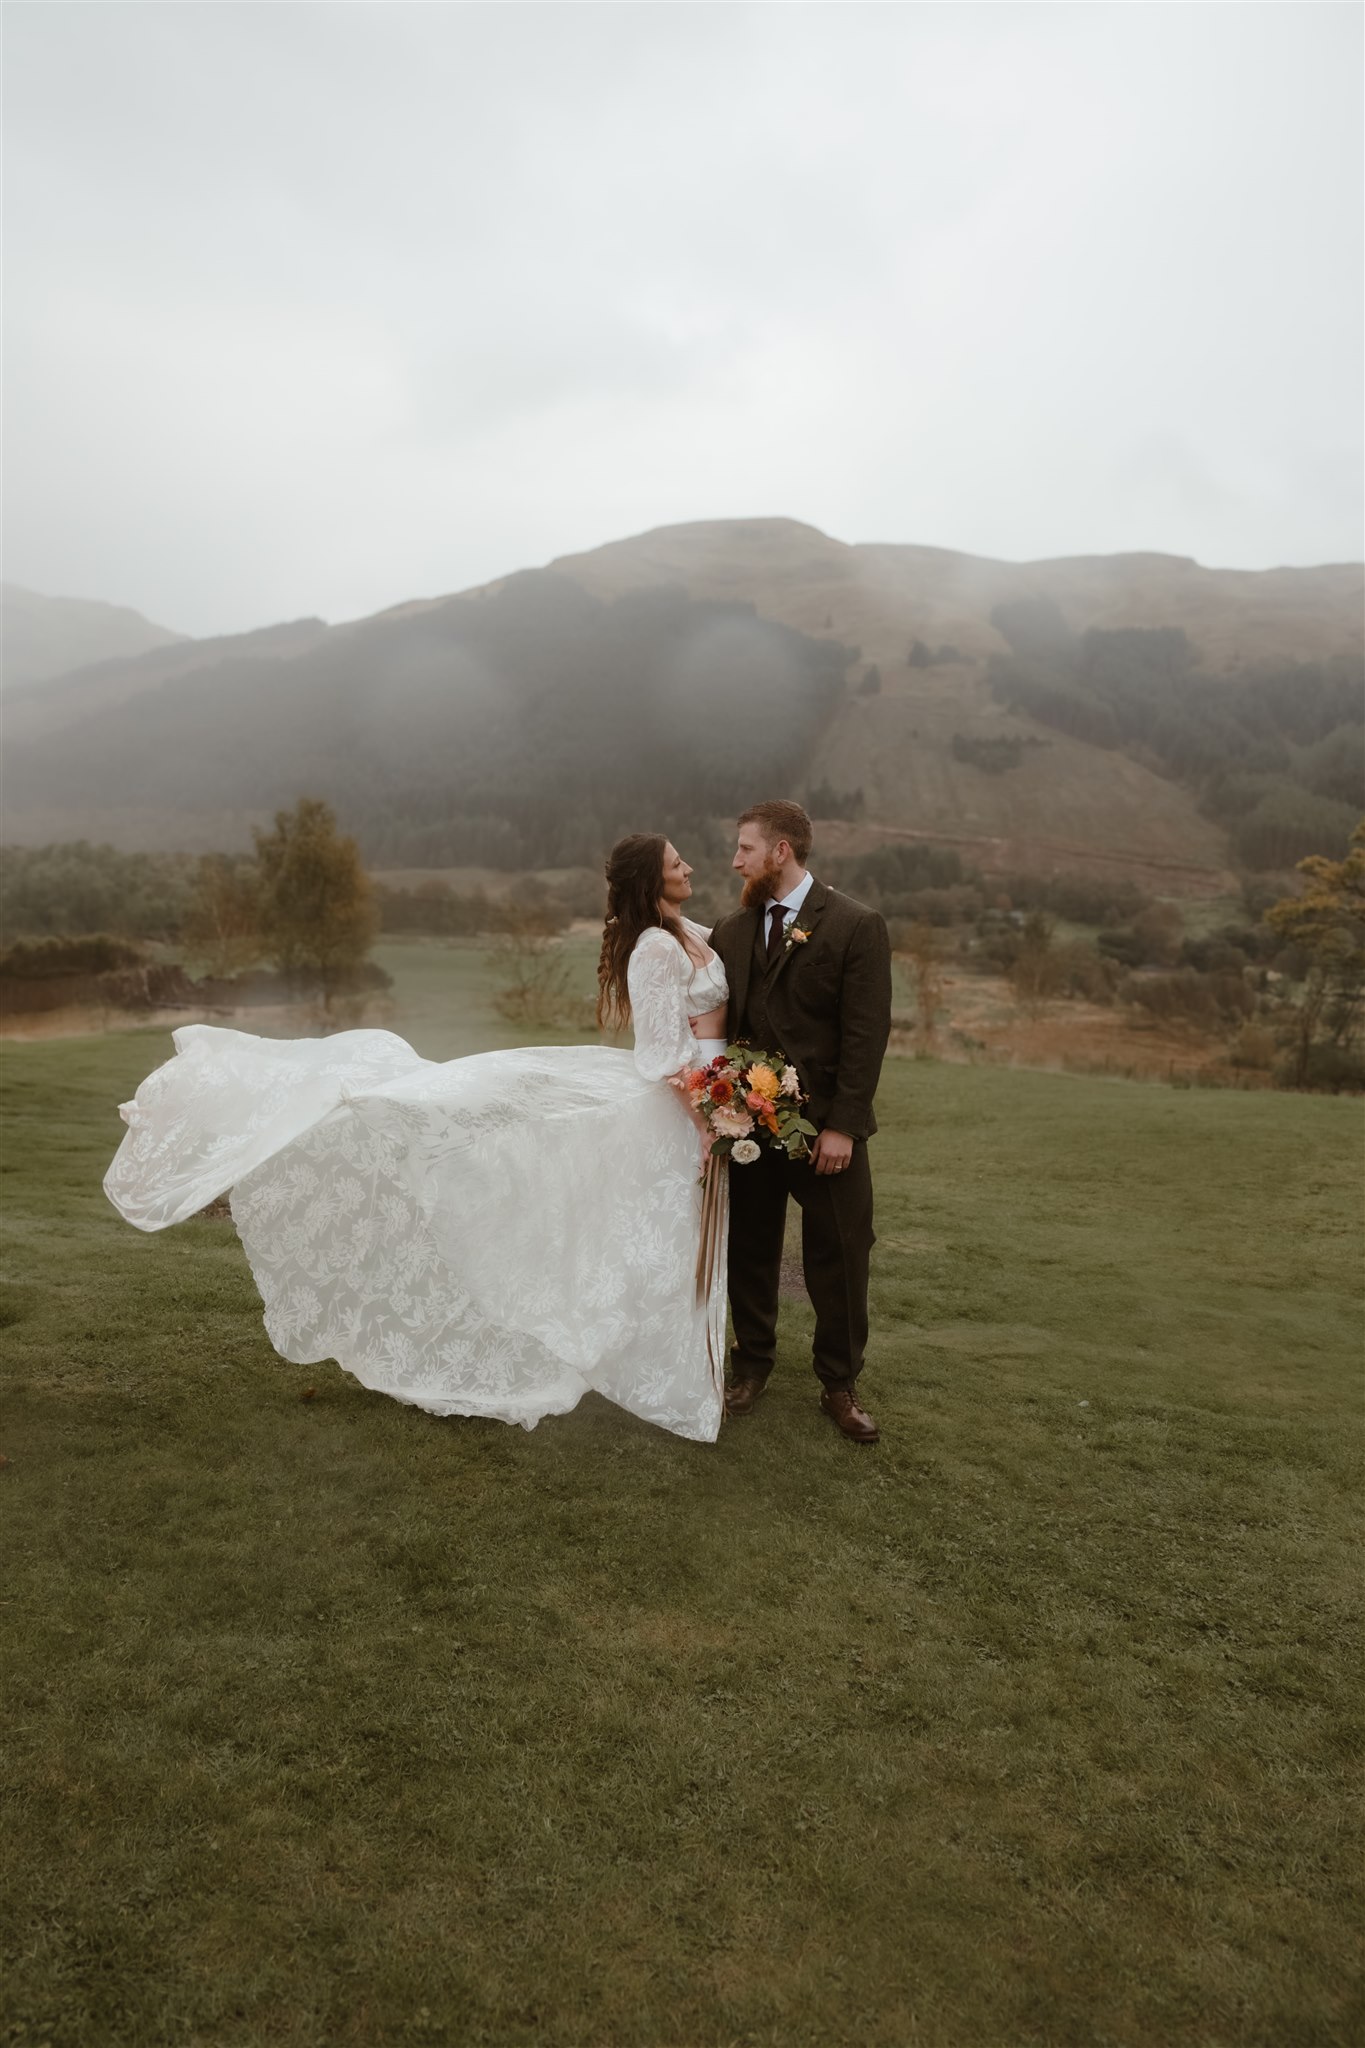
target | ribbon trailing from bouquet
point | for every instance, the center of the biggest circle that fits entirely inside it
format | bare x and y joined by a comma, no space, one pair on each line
715,1206
744,1100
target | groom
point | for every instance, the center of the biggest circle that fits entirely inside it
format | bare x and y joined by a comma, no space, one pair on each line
810,976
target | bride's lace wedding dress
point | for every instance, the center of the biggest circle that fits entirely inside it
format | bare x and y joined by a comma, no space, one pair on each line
488,1236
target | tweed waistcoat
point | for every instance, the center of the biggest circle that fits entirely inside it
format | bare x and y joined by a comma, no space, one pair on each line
754,1024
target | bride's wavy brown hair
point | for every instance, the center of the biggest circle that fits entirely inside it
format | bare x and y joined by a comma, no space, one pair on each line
635,880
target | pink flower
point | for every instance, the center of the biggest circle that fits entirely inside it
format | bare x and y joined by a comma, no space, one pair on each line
757,1103
731,1123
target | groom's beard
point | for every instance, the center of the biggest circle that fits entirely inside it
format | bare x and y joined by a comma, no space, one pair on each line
757,891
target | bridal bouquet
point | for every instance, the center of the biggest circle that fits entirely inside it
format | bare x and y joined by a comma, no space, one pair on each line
748,1099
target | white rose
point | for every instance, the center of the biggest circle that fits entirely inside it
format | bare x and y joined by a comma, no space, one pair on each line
745,1152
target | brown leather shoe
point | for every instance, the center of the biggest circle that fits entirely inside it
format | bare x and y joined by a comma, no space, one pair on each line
855,1422
741,1396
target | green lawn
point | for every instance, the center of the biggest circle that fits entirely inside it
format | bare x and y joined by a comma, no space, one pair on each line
331,1722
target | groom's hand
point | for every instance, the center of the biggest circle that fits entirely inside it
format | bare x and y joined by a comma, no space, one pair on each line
831,1152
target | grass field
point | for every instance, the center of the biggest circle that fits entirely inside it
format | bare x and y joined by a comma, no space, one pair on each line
1036,1724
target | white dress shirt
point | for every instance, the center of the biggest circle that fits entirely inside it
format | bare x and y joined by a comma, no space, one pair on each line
791,903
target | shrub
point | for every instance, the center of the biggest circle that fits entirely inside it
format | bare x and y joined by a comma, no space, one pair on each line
1125,946
1080,899
1288,824
91,953
1330,1069
998,945
1084,972
77,888
1227,951
942,907
1258,895
1159,928
1254,1048
823,800
889,877
1187,997
993,755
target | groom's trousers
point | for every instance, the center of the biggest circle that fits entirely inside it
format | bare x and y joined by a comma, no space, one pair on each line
836,1244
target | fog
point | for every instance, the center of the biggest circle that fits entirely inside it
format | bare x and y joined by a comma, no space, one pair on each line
312,309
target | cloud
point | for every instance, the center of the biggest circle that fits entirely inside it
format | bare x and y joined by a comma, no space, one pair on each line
317,308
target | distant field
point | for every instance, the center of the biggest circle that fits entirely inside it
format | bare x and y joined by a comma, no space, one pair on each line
1037,1724
494,882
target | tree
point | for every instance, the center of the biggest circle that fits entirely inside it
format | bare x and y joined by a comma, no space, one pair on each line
925,949
1159,927
823,800
317,911
1327,923
222,926
1037,971
535,979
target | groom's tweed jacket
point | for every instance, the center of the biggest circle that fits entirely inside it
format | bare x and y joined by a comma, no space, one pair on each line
825,1001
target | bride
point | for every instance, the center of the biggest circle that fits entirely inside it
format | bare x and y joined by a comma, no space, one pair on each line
495,1235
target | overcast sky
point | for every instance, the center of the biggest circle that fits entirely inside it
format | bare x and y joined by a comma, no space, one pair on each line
313,308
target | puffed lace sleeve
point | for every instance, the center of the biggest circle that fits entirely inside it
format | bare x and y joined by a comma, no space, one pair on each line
657,976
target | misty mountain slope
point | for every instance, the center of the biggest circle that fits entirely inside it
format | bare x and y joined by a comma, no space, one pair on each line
525,727
68,700
42,636
676,674
883,596
1066,800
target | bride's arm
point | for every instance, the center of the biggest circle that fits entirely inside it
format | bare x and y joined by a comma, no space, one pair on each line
656,977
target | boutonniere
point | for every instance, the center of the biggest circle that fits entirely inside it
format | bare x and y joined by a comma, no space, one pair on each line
796,936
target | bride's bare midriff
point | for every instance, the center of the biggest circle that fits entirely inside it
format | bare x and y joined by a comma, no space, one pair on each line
711,1025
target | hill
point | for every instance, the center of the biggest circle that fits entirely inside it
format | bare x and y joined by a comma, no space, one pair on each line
923,620
1122,713
525,728
42,637
68,701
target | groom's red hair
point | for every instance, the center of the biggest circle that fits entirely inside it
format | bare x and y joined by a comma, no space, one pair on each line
779,818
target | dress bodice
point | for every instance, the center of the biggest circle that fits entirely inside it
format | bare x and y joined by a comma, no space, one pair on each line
667,990
707,986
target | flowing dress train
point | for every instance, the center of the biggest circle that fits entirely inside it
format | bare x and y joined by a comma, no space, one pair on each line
494,1236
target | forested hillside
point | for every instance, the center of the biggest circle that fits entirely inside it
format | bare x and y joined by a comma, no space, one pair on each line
1138,716
527,728
1276,754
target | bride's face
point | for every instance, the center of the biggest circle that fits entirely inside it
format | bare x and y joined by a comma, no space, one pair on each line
677,881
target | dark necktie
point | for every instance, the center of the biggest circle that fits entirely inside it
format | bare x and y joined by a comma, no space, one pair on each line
776,914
